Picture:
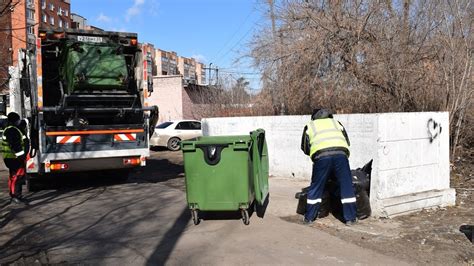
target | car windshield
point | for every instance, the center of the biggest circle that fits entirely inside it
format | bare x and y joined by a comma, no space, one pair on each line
164,125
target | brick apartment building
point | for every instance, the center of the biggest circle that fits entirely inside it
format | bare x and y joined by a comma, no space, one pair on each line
19,23
187,68
13,35
201,73
55,14
148,51
167,62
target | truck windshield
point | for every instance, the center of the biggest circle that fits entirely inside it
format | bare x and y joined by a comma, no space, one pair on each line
164,125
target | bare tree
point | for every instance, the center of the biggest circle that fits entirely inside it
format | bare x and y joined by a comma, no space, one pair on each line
371,56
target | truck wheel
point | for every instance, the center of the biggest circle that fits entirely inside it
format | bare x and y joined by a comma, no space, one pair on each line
123,174
31,185
173,144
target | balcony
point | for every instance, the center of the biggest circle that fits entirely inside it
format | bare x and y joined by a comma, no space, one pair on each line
30,4
30,21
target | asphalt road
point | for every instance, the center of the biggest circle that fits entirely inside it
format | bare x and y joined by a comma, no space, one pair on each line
97,219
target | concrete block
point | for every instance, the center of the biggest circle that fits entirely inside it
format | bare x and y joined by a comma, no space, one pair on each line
410,158
406,204
388,155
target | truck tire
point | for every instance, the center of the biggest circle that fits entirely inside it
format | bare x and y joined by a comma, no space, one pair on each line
31,184
173,144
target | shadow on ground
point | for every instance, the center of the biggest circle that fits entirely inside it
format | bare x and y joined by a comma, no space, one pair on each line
97,216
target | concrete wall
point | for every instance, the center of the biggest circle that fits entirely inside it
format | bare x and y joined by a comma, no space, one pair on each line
410,170
167,94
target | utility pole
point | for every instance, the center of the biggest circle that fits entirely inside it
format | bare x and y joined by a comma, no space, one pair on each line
210,67
276,97
216,69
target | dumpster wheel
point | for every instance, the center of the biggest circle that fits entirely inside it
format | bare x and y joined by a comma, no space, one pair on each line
245,216
195,215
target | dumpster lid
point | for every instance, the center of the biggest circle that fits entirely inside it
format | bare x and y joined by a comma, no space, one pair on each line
260,165
216,140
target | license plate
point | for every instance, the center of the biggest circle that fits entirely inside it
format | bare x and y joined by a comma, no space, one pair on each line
90,39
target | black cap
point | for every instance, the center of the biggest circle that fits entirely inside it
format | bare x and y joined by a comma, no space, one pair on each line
315,111
321,113
13,117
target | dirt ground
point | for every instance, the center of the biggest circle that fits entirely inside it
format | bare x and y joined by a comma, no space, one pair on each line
98,219
431,236
427,237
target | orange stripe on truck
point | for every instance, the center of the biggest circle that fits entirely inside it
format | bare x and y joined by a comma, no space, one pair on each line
93,132
125,137
68,139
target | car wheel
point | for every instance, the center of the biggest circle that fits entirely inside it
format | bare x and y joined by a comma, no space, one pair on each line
173,143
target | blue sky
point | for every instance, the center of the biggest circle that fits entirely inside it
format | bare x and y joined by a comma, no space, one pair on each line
213,31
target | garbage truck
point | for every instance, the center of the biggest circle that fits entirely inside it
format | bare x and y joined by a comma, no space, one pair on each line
84,94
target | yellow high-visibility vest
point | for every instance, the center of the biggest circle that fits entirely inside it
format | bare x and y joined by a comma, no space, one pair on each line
325,133
5,149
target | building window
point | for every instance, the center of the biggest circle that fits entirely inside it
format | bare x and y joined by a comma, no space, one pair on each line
51,20
30,14
43,4
66,25
60,11
60,23
45,18
51,7
31,30
203,76
66,12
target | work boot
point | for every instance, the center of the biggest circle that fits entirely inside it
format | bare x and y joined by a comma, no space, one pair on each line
19,201
351,223
308,222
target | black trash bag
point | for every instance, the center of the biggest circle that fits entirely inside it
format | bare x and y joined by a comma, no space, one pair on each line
363,205
468,231
301,197
361,177
325,206
331,200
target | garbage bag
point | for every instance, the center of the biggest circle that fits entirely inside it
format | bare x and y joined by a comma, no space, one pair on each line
302,196
331,200
361,177
468,230
363,204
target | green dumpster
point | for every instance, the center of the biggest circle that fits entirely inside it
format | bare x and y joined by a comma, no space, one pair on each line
87,66
226,173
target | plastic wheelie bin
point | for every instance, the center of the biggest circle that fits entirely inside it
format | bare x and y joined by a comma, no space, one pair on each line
226,173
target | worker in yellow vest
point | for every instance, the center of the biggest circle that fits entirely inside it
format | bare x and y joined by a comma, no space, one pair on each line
14,149
325,140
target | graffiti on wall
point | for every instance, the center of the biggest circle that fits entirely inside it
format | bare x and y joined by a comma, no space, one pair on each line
434,129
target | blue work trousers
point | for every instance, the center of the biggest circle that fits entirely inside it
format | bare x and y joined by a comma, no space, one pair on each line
323,168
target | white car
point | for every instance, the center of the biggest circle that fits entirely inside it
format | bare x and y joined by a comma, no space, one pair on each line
169,134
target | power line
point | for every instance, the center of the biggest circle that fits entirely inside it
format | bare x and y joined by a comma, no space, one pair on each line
235,33
22,28
9,6
241,73
232,48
